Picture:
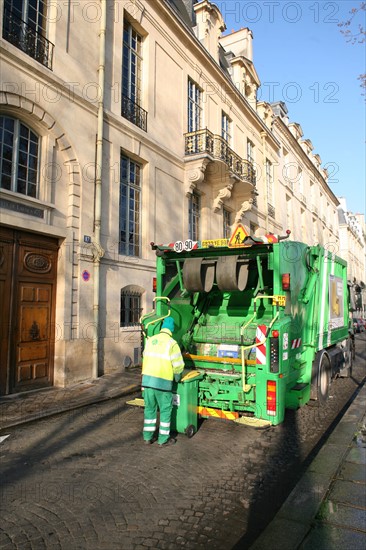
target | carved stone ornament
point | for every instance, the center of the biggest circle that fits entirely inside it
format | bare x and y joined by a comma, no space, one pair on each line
195,174
223,194
37,263
246,205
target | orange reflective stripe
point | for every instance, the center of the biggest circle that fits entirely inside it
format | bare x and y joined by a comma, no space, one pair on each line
206,411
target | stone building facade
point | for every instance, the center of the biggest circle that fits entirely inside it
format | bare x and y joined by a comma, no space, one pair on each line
123,123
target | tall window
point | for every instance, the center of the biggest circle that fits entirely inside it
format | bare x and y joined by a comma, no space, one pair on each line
130,308
129,207
269,186
250,151
194,107
194,216
132,77
18,157
24,25
300,180
226,127
226,218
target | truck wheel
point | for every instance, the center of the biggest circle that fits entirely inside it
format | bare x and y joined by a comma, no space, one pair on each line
323,379
348,355
190,430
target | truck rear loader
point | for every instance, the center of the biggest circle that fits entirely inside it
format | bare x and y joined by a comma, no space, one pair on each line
262,322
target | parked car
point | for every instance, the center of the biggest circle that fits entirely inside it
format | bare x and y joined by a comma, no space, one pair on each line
358,325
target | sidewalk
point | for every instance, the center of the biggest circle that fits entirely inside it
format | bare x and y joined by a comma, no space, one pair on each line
327,508
26,407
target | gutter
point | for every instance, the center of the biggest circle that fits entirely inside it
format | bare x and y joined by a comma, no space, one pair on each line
98,251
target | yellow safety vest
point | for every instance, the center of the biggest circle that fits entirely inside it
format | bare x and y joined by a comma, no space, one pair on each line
162,359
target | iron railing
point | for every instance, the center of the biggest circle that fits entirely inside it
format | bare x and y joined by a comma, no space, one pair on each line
314,209
303,198
134,113
205,142
27,38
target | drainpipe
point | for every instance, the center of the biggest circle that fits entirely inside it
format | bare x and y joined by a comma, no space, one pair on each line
264,137
98,252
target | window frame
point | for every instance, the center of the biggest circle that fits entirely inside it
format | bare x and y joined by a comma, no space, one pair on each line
130,314
127,47
194,216
226,128
250,151
194,106
17,138
226,221
269,182
131,188
26,29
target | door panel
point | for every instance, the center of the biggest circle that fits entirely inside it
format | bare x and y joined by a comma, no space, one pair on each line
28,303
33,365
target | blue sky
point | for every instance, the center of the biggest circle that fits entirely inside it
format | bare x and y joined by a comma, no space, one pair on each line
303,59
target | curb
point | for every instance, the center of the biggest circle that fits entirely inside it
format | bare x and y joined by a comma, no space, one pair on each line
295,518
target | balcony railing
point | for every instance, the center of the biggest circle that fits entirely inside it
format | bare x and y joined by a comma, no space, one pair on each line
134,113
303,198
314,209
205,142
28,39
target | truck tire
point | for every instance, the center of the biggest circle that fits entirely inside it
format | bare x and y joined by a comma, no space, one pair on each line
323,378
320,378
348,355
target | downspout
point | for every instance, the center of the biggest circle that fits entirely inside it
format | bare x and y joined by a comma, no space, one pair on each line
98,252
264,137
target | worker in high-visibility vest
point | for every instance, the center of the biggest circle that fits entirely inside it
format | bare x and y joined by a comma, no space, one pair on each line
162,363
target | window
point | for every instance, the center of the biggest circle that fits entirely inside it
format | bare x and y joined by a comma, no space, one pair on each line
269,181
129,207
300,180
18,157
194,216
24,25
226,217
132,77
226,128
130,308
269,186
250,151
194,107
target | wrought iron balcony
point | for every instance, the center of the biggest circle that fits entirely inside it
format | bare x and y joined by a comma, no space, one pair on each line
216,147
25,37
134,113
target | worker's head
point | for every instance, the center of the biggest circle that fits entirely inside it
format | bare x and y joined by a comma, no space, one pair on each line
168,323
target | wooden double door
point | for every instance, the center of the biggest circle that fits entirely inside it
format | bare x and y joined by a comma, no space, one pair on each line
28,272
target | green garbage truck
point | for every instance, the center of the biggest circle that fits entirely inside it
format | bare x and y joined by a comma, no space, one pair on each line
262,322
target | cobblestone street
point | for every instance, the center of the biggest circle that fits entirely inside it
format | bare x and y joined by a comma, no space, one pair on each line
85,480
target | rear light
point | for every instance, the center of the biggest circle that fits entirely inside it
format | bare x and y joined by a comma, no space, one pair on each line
154,284
285,281
271,398
275,333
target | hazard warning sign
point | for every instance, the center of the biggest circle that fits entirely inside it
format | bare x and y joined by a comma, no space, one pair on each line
238,236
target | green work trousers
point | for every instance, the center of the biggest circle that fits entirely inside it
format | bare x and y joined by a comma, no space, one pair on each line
154,400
